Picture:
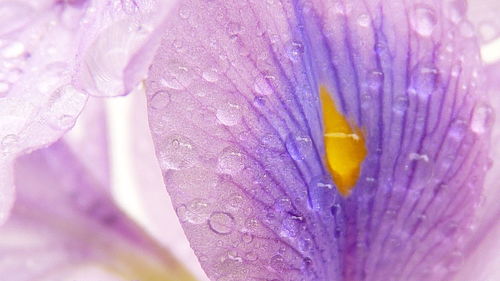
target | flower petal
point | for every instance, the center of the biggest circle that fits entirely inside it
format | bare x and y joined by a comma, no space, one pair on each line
117,42
64,224
37,101
236,117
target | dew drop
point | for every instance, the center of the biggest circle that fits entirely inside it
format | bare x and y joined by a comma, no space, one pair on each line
177,76
221,223
262,87
230,161
184,12
423,20
455,10
176,152
66,104
247,237
229,114
160,100
210,75
481,119
8,142
401,104
182,213
374,80
197,211
294,50
364,20
423,80
299,147
233,29
277,262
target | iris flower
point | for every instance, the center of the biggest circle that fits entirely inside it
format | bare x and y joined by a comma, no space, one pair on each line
297,140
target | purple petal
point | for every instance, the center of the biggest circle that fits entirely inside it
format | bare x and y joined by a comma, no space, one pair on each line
117,42
236,118
64,224
37,101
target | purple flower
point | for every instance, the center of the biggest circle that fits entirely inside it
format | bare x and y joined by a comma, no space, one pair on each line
298,140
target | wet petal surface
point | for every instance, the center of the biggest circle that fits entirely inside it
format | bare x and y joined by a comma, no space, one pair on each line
53,54
237,120
65,224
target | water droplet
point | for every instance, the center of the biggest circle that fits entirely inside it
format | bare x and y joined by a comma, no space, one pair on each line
418,157
233,29
13,50
181,213
259,101
292,226
321,192
197,211
231,161
9,141
455,10
221,223
364,20
262,87
247,237
277,262
66,103
299,147
374,80
176,152
482,119
184,12
177,76
229,114
160,100
423,20
294,51
401,104
210,75
423,80
251,256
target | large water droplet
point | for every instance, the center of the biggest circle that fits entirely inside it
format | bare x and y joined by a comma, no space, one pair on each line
221,223
321,192
299,147
423,20
229,114
231,161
